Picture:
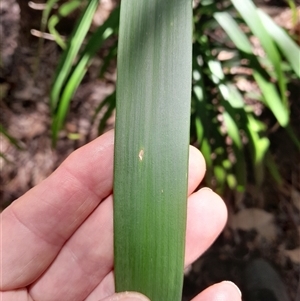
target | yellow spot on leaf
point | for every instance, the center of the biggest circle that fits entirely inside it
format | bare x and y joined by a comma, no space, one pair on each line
141,155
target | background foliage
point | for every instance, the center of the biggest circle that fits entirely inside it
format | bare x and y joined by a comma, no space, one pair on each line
226,123
242,65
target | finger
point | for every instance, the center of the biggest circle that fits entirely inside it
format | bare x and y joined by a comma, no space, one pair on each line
197,168
85,259
127,296
15,295
206,217
104,289
37,225
87,256
223,291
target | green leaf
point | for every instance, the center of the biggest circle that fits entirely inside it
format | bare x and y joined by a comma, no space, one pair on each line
109,110
287,46
230,94
200,119
10,138
233,30
220,175
64,10
109,100
70,53
231,181
112,54
204,145
232,129
249,12
258,145
46,13
293,8
272,99
270,95
151,146
3,156
45,16
94,43
240,169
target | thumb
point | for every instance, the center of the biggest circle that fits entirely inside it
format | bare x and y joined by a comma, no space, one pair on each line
127,296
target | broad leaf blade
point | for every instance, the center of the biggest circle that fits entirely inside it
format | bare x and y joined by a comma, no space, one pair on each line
151,146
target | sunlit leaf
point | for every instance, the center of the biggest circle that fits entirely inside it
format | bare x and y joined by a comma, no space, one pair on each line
70,53
249,12
288,47
151,146
77,74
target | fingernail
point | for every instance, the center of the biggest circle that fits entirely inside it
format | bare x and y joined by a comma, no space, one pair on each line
236,287
205,189
134,298
127,296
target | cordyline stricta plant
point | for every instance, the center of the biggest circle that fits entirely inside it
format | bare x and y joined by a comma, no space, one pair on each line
154,89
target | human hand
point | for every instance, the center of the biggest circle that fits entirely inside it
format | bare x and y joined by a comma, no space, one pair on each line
57,239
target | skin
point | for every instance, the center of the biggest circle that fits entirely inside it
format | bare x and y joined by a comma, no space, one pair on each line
57,239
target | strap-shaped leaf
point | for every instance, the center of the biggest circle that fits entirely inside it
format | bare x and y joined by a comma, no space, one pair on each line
70,53
233,30
10,138
151,146
272,99
45,16
287,46
94,43
249,12
270,95
65,10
